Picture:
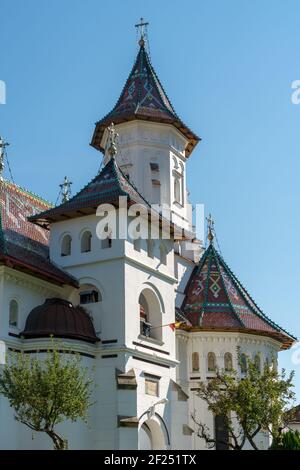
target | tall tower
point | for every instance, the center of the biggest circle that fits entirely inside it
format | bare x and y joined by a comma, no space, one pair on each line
154,143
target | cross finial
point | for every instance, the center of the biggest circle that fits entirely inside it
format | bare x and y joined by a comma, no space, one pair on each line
112,137
210,226
141,27
3,145
65,190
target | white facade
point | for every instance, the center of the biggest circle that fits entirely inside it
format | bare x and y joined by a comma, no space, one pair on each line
154,412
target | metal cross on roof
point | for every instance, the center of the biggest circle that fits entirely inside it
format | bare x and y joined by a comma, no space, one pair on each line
112,138
210,226
65,190
142,28
3,145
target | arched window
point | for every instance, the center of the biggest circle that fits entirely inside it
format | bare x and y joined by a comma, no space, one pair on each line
90,299
13,313
211,362
228,362
163,254
66,245
150,315
86,242
144,316
257,362
243,363
195,362
177,189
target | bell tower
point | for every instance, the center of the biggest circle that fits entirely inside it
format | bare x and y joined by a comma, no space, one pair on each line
153,142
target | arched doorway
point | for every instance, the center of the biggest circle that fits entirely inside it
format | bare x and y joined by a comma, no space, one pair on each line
152,435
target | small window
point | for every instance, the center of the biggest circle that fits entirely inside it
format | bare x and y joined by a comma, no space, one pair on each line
163,254
89,297
195,362
211,362
66,245
86,242
106,243
243,363
152,385
228,362
13,313
154,166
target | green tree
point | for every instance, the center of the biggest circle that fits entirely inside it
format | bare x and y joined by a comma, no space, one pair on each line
257,402
289,440
45,392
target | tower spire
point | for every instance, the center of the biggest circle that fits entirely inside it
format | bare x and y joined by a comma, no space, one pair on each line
142,29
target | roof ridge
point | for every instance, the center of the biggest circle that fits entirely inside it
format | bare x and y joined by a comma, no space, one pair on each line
241,287
206,287
158,82
28,192
225,287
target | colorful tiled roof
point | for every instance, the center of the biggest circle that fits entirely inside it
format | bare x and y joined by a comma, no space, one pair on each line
23,245
106,187
143,97
216,300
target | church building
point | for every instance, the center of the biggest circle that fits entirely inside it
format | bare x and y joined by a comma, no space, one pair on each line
149,316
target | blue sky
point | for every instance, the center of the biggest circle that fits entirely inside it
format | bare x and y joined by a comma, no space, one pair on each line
227,68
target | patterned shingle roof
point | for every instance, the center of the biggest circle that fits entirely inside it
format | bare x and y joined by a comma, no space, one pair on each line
143,97
215,299
106,187
23,245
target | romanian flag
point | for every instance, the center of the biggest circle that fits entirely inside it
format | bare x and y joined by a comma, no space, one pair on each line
175,325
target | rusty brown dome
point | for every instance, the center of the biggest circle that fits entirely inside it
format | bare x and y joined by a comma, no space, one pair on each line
61,319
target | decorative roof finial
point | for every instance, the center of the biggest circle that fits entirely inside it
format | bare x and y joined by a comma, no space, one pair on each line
142,28
112,137
3,145
210,226
65,190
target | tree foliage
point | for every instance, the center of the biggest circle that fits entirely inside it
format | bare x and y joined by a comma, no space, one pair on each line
250,404
289,440
46,392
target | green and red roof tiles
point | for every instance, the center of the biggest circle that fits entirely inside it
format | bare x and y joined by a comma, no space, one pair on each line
216,300
23,245
144,98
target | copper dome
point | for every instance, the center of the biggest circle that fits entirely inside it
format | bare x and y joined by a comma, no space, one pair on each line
61,319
